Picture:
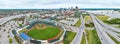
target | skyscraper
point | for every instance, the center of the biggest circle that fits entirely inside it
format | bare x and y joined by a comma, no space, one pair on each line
76,12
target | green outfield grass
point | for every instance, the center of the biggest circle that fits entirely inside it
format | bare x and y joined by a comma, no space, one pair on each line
44,34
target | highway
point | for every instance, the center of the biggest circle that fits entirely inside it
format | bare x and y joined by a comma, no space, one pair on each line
78,37
113,35
105,39
5,19
109,30
107,26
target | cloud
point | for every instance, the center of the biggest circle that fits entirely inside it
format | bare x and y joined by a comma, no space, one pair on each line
59,4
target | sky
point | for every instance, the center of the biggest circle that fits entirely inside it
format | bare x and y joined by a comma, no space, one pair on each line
50,4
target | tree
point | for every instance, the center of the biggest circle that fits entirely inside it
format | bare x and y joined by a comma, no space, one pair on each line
8,36
10,40
8,32
4,30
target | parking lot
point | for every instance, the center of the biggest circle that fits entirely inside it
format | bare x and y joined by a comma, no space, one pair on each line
6,32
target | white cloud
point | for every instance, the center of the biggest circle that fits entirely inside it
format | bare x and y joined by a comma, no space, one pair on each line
59,3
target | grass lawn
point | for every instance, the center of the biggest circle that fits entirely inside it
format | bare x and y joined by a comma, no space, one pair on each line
117,26
102,17
87,18
69,37
92,37
43,34
20,25
83,40
78,23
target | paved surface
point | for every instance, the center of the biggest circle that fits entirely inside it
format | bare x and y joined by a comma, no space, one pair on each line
4,39
109,30
85,37
107,26
6,19
105,39
74,29
78,37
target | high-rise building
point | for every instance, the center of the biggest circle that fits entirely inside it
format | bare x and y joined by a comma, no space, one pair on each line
76,12
71,9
